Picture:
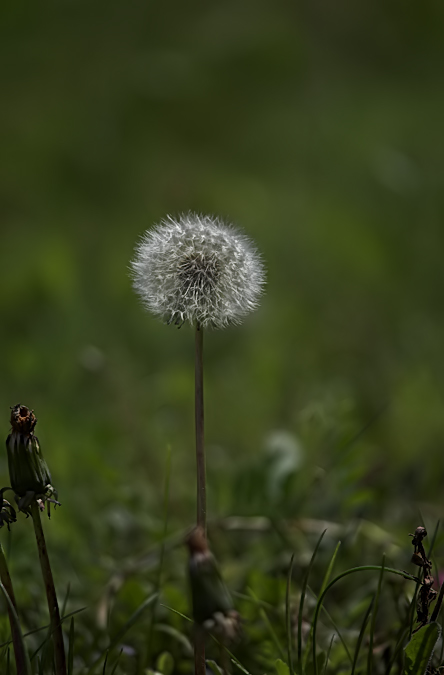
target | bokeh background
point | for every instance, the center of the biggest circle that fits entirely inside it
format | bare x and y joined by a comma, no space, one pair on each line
317,128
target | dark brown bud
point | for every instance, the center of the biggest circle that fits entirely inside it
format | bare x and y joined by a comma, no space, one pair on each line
417,559
23,420
420,533
212,604
196,541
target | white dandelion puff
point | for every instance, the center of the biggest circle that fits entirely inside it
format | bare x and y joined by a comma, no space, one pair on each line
198,269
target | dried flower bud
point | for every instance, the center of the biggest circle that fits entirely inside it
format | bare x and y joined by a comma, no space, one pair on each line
198,269
7,514
28,471
417,559
212,604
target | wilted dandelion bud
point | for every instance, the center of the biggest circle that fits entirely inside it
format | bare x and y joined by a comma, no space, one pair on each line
212,605
7,512
198,269
28,471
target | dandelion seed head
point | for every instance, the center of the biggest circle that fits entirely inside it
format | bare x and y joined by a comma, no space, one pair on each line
197,268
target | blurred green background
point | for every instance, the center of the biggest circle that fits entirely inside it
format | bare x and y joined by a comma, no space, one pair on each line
314,126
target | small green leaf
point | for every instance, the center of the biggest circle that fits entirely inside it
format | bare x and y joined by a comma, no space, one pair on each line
214,667
281,667
71,647
419,650
165,663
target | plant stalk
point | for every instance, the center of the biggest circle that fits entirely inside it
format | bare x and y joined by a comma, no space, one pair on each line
199,651
200,448
199,636
17,640
53,607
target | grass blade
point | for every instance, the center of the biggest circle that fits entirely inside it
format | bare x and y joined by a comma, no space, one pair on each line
364,568
328,653
335,626
71,648
323,586
66,598
432,543
397,650
214,667
117,662
361,634
266,620
373,623
134,618
302,601
105,662
22,656
37,630
184,616
234,660
43,645
288,617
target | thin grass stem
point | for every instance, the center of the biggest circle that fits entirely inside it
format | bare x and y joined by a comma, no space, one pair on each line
288,617
327,658
21,655
397,650
361,634
323,586
302,601
335,626
373,623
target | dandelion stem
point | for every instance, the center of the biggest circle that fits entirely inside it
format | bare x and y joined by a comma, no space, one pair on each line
200,448
199,651
199,636
17,640
53,607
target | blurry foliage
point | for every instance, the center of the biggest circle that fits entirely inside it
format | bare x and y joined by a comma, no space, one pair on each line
317,128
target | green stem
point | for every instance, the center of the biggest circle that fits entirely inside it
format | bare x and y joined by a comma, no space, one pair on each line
199,637
53,607
199,651
200,447
21,660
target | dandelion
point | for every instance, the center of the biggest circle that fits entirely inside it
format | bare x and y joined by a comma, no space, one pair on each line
28,471
200,270
31,483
